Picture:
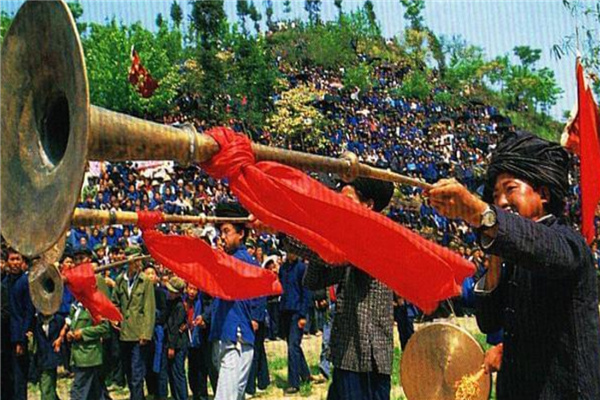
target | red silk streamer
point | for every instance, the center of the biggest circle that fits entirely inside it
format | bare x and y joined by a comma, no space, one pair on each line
211,271
337,228
81,281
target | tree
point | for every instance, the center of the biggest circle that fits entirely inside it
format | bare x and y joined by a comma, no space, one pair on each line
77,11
527,55
269,14
159,20
255,16
586,40
296,122
338,5
370,12
313,8
176,13
413,13
243,10
208,21
416,86
287,7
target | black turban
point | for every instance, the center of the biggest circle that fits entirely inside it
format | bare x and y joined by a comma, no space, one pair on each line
380,192
230,210
535,160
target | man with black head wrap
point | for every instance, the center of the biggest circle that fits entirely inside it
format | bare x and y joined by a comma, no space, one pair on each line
544,295
361,344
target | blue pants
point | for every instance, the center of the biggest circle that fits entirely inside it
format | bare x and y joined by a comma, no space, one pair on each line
201,368
324,363
157,382
134,363
273,311
348,385
86,384
20,371
297,367
405,324
176,371
260,367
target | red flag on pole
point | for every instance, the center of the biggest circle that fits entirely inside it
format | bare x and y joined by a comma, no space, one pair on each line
140,77
81,281
581,136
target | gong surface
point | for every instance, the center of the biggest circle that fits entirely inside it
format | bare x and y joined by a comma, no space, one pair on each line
436,357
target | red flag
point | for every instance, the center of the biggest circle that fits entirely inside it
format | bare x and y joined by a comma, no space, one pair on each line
81,281
582,136
140,77
213,272
337,228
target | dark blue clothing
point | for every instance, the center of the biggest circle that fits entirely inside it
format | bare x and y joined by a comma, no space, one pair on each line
176,371
547,304
134,357
46,357
295,296
349,385
20,307
229,316
259,372
86,384
297,366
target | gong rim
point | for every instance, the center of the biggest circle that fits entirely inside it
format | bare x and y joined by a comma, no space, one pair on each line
436,357
44,126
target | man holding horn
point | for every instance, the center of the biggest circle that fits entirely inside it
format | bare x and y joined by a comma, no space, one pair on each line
541,285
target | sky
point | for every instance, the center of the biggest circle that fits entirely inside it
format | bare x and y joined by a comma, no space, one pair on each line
496,26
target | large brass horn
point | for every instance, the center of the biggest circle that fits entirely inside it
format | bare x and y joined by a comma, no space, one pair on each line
50,130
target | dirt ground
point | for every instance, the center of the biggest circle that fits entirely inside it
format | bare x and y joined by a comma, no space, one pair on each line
277,356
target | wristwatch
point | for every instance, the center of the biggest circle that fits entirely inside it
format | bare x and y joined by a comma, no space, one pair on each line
489,219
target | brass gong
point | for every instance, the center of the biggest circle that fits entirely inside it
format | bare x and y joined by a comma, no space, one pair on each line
436,357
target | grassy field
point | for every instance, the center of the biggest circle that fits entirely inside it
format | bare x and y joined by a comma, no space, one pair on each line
277,356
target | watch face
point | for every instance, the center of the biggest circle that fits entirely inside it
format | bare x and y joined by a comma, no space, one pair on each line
488,218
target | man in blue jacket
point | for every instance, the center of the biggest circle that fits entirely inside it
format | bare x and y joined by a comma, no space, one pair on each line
294,305
234,322
545,297
21,319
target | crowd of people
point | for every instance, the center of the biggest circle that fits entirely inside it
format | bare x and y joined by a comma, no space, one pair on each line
168,321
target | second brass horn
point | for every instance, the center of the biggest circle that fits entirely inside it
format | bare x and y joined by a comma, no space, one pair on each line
50,130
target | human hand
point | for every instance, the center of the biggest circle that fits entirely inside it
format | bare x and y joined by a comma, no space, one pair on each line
301,323
56,344
77,335
171,354
144,342
259,226
454,200
254,325
492,362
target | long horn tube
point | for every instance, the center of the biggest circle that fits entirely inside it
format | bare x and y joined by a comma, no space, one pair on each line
85,217
50,131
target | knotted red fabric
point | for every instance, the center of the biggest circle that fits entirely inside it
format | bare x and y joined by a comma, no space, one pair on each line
337,228
81,281
211,271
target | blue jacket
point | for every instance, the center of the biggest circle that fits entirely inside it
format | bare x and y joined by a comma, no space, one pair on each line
295,297
229,316
196,331
47,358
20,307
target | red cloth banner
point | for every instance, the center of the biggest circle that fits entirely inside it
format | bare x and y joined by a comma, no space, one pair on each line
338,229
140,77
211,271
81,281
583,138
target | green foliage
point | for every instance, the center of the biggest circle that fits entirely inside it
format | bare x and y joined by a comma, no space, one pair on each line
359,76
107,53
527,55
313,8
5,21
414,13
416,86
176,13
586,42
